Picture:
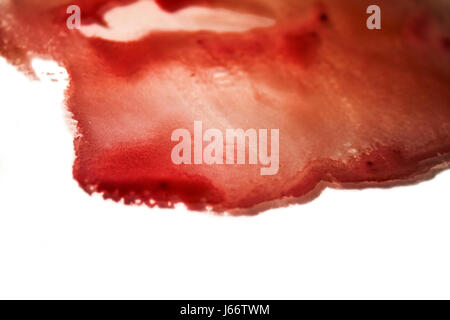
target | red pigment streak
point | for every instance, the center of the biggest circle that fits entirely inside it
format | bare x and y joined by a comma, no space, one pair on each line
172,6
355,108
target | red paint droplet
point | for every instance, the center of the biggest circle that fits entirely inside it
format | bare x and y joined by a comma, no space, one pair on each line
353,108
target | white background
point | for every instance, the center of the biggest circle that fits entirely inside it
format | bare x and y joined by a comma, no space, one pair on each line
57,242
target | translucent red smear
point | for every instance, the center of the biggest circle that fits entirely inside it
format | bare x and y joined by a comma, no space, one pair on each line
355,107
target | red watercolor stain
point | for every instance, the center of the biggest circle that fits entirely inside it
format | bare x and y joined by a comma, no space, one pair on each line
355,108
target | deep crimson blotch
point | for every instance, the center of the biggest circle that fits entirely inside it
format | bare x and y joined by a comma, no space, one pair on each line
355,107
